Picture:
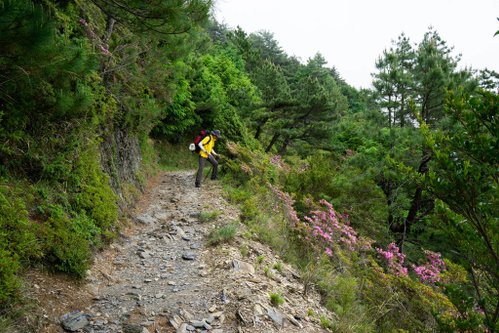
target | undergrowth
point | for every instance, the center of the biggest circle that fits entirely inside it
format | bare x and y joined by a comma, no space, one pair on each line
361,296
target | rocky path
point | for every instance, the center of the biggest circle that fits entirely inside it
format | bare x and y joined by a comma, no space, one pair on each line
162,276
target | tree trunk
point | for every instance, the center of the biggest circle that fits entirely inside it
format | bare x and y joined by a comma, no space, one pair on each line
284,146
417,199
109,30
272,142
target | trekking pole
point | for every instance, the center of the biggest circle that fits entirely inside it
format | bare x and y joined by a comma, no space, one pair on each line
211,170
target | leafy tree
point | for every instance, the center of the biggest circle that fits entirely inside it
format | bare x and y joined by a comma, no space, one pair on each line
465,178
46,85
319,102
275,93
163,17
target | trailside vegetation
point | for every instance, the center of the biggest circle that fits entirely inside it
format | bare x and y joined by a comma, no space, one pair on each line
385,198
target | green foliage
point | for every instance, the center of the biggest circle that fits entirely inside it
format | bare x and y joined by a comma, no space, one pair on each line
9,284
223,234
465,179
18,242
175,156
94,195
244,249
164,18
349,188
209,216
66,241
278,267
276,299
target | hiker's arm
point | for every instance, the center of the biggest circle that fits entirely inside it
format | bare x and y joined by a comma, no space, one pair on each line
213,152
200,145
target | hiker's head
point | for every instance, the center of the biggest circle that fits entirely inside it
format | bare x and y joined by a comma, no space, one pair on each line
216,134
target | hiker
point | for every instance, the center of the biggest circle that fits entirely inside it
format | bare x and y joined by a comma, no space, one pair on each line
208,153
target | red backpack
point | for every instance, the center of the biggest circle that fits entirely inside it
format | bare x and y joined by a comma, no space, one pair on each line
202,134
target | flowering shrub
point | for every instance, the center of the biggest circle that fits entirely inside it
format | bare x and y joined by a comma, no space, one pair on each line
394,259
287,203
430,271
277,161
330,228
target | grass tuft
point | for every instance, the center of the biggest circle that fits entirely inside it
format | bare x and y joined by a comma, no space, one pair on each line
223,234
209,216
276,299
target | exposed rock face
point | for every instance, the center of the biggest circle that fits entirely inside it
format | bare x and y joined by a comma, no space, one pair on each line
121,159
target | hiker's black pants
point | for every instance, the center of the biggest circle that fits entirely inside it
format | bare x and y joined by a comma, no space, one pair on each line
202,163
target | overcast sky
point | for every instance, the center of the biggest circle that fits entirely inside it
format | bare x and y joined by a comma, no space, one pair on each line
352,34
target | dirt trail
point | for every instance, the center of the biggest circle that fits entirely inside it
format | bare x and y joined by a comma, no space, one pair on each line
161,276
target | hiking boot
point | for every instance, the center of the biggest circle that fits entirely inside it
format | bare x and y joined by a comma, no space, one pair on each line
198,185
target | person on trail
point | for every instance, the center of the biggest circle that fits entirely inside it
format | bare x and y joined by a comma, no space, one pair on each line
208,153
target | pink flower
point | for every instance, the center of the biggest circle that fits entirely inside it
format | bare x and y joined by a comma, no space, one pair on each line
329,252
430,271
104,51
394,259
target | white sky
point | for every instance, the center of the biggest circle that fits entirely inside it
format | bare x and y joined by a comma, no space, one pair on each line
352,34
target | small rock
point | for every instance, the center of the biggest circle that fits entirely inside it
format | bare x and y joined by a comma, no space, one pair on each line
295,322
182,328
144,255
190,328
189,256
186,238
276,316
213,308
176,321
223,297
185,314
198,323
258,310
74,321
217,314
145,219
171,283
243,267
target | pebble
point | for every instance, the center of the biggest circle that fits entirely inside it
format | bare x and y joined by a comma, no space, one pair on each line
189,256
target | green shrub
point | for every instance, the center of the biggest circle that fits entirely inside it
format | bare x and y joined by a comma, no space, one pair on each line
268,272
176,156
278,266
9,283
276,299
18,242
209,216
326,322
94,194
223,234
67,241
244,250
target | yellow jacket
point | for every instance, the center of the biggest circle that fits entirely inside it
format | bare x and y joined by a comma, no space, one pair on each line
207,143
